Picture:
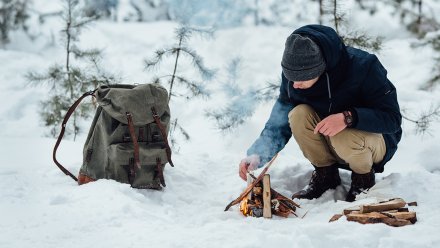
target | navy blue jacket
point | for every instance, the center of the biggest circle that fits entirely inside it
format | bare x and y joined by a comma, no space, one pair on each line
354,80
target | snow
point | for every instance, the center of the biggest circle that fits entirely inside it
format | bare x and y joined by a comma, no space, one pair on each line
41,207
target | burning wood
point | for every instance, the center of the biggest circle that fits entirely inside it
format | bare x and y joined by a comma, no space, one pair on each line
263,201
252,185
259,199
391,212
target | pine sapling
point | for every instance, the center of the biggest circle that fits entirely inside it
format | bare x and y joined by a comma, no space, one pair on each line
353,38
69,81
176,81
417,15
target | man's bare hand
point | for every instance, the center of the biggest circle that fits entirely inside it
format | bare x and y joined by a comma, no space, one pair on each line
249,163
331,125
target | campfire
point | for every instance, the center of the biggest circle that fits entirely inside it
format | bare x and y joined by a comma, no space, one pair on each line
260,200
263,201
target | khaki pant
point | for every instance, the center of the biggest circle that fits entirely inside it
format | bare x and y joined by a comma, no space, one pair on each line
358,149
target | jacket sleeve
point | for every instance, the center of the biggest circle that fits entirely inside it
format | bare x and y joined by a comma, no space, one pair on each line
276,132
381,112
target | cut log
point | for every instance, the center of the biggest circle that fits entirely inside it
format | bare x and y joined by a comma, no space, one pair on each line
411,216
280,197
267,204
249,182
383,206
335,217
395,222
365,218
392,219
349,210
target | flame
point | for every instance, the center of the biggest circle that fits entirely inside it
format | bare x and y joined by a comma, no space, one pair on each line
244,207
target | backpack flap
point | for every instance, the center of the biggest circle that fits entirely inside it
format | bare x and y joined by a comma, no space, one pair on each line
116,100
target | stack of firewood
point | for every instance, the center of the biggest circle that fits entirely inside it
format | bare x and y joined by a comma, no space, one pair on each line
392,212
263,201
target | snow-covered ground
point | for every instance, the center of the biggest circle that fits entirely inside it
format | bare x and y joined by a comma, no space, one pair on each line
41,207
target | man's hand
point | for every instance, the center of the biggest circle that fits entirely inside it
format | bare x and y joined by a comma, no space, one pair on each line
249,163
331,125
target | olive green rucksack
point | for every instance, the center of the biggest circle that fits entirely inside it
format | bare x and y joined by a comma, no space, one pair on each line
127,141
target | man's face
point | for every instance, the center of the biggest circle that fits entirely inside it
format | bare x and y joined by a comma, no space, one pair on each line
305,84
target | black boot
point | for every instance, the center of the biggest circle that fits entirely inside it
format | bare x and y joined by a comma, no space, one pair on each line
360,183
323,178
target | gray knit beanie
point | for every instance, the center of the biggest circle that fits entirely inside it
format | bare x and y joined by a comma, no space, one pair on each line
302,59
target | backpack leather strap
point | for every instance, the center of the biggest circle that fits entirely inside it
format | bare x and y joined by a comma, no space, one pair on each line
160,172
164,134
133,139
63,129
131,171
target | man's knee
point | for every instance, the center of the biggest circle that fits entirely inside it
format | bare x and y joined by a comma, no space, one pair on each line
347,142
302,116
350,146
353,147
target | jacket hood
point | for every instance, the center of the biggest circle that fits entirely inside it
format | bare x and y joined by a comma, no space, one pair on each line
328,40
332,47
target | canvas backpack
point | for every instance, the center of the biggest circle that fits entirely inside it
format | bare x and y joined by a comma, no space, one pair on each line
127,141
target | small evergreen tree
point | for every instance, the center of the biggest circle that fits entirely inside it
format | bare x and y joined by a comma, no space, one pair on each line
181,48
13,16
352,38
176,81
69,81
416,16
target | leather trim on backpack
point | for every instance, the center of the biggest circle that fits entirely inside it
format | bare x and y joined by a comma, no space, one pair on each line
164,134
133,139
63,129
160,172
83,179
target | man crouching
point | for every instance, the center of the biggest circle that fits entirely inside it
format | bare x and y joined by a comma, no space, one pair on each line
340,107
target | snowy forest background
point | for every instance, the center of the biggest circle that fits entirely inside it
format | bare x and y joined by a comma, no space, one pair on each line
224,86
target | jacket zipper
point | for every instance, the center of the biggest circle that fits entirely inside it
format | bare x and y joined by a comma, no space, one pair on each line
329,93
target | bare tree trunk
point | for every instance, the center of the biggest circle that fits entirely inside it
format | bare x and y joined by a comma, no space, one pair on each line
335,15
68,51
69,20
321,11
419,17
175,69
